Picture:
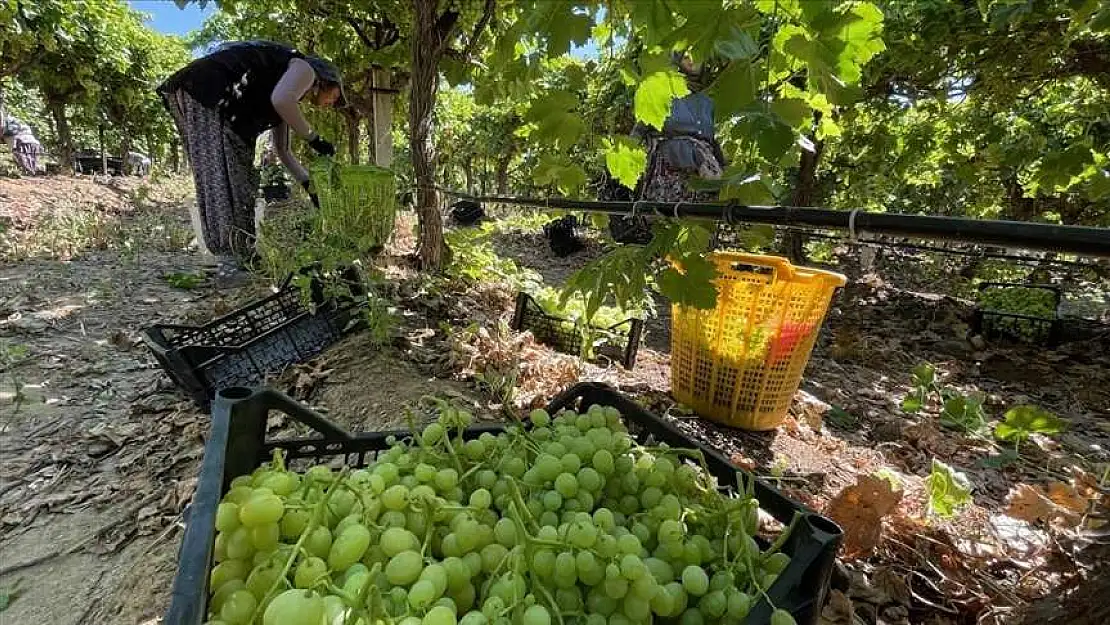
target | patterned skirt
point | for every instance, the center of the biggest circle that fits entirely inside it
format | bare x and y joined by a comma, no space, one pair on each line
26,155
666,182
224,174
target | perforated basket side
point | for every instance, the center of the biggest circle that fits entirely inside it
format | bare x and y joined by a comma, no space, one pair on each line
741,362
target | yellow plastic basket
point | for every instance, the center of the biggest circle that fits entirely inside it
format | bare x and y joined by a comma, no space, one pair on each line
357,202
740,363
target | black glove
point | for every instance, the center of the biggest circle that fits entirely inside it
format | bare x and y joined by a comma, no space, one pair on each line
322,146
311,195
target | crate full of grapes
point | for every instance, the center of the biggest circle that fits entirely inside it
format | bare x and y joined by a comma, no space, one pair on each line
1025,312
590,511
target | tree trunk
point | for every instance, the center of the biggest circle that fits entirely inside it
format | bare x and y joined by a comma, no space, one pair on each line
468,174
124,149
503,174
425,59
103,151
353,136
175,159
804,190
381,130
3,110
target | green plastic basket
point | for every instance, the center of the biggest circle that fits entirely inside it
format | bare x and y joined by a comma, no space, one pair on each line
359,201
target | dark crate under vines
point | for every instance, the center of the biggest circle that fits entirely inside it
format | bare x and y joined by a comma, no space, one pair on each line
619,342
1023,312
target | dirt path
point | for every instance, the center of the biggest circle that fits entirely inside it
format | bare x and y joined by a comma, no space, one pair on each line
98,453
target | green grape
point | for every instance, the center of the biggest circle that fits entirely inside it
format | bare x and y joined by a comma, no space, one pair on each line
349,547
615,588
721,580
536,615
447,479
394,540
221,595
318,542
552,500
395,497
582,534
505,532
439,615
630,544
571,463
404,568
473,562
487,479
590,479
294,607
539,418
227,517
659,569
692,616
547,467
632,567
341,503
492,555
606,546
782,617
265,537
238,608
637,609
543,563
589,571
422,594
261,579
458,574
713,604
600,603
565,567
227,571
239,544
424,473
475,449
566,484
738,605
394,518
433,433
293,524
776,562
260,510
695,581
473,618
515,467
481,499
650,497
309,571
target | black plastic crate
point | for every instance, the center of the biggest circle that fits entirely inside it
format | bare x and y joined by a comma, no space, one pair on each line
993,323
237,445
244,346
622,339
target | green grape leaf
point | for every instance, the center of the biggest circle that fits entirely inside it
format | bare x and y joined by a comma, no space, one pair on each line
1021,421
963,412
948,489
751,190
652,102
565,28
912,404
739,45
773,137
733,90
625,160
793,111
1000,460
924,375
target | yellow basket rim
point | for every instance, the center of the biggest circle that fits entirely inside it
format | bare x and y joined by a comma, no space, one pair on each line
793,273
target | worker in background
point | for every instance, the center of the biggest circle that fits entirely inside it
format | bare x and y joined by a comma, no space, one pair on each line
221,103
685,149
25,147
138,164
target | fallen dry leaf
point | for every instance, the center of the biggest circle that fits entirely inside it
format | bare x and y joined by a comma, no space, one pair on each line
859,509
1068,497
1029,503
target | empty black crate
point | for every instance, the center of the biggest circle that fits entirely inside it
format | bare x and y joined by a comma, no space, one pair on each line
259,339
622,340
995,318
236,446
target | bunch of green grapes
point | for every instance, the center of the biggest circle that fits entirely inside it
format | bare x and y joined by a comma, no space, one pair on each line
569,521
1034,302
